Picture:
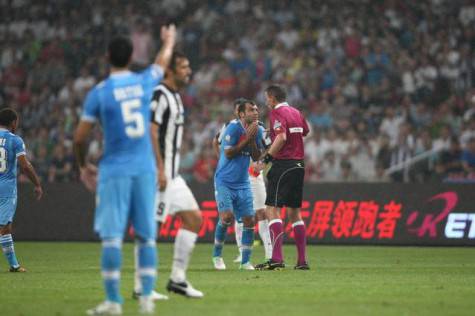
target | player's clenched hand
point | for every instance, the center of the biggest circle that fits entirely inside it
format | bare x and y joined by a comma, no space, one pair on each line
162,181
251,130
88,176
38,192
168,34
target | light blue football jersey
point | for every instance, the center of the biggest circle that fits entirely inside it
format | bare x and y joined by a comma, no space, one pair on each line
11,146
233,172
121,104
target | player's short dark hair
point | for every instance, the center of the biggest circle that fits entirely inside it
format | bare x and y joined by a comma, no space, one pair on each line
240,101
120,50
277,92
174,59
8,116
241,104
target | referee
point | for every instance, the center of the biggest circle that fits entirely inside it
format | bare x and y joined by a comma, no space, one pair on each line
285,176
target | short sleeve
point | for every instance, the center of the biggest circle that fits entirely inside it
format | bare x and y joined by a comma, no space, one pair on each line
230,136
158,106
19,146
91,111
219,136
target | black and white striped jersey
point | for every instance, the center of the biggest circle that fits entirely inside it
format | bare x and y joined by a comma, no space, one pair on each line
168,112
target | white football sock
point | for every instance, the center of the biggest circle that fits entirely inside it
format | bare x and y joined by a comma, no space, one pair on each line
184,243
238,233
137,281
265,236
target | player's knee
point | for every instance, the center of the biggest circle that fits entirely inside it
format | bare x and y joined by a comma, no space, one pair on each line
195,221
227,218
6,229
248,221
191,220
261,215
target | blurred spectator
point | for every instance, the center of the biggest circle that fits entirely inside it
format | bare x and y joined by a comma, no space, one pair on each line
468,157
356,71
61,166
347,173
331,167
203,170
450,160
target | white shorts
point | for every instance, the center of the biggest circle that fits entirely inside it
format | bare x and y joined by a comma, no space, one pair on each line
176,197
258,188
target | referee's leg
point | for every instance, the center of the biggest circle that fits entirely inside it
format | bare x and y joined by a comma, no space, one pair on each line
276,231
299,229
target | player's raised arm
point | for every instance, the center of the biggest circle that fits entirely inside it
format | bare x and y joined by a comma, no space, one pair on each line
27,168
168,37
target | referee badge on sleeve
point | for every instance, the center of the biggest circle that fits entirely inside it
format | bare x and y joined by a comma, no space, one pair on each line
277,126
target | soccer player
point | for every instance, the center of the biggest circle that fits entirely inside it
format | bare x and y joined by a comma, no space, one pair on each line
127,177
12,149
175,197
285,176
258,193
241,141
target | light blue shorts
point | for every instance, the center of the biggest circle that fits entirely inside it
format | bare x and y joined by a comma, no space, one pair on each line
7,210
239,201
123,199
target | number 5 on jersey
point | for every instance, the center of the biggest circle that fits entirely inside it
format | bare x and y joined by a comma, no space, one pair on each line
3,160
133,119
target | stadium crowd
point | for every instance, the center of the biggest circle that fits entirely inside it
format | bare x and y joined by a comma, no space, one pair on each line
380,82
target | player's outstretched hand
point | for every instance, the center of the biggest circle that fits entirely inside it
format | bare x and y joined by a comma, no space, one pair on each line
88,176
38,192
168,34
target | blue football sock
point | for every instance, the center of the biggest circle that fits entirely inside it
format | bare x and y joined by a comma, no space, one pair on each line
147,265
6,241
247,241
219,238
110,265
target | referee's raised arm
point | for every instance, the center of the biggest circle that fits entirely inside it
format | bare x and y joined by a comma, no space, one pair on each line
286,170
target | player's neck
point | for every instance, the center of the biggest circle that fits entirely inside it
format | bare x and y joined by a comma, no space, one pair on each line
118,69
170,83
6,128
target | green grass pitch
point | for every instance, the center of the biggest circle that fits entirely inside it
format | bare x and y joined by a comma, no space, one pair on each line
64,279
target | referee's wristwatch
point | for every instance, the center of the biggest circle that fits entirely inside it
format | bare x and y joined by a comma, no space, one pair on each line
268,158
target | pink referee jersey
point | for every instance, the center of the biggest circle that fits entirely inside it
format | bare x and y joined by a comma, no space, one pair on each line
289,120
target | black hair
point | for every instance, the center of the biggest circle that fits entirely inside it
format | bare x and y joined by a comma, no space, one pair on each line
240,101
277,92
175,56
241,104
8,116
120,50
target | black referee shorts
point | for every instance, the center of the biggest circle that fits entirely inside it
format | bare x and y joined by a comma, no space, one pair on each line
285,183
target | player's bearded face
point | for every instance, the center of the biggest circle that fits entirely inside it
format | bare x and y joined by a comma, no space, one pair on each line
14,125
268,100
251,113
182,72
